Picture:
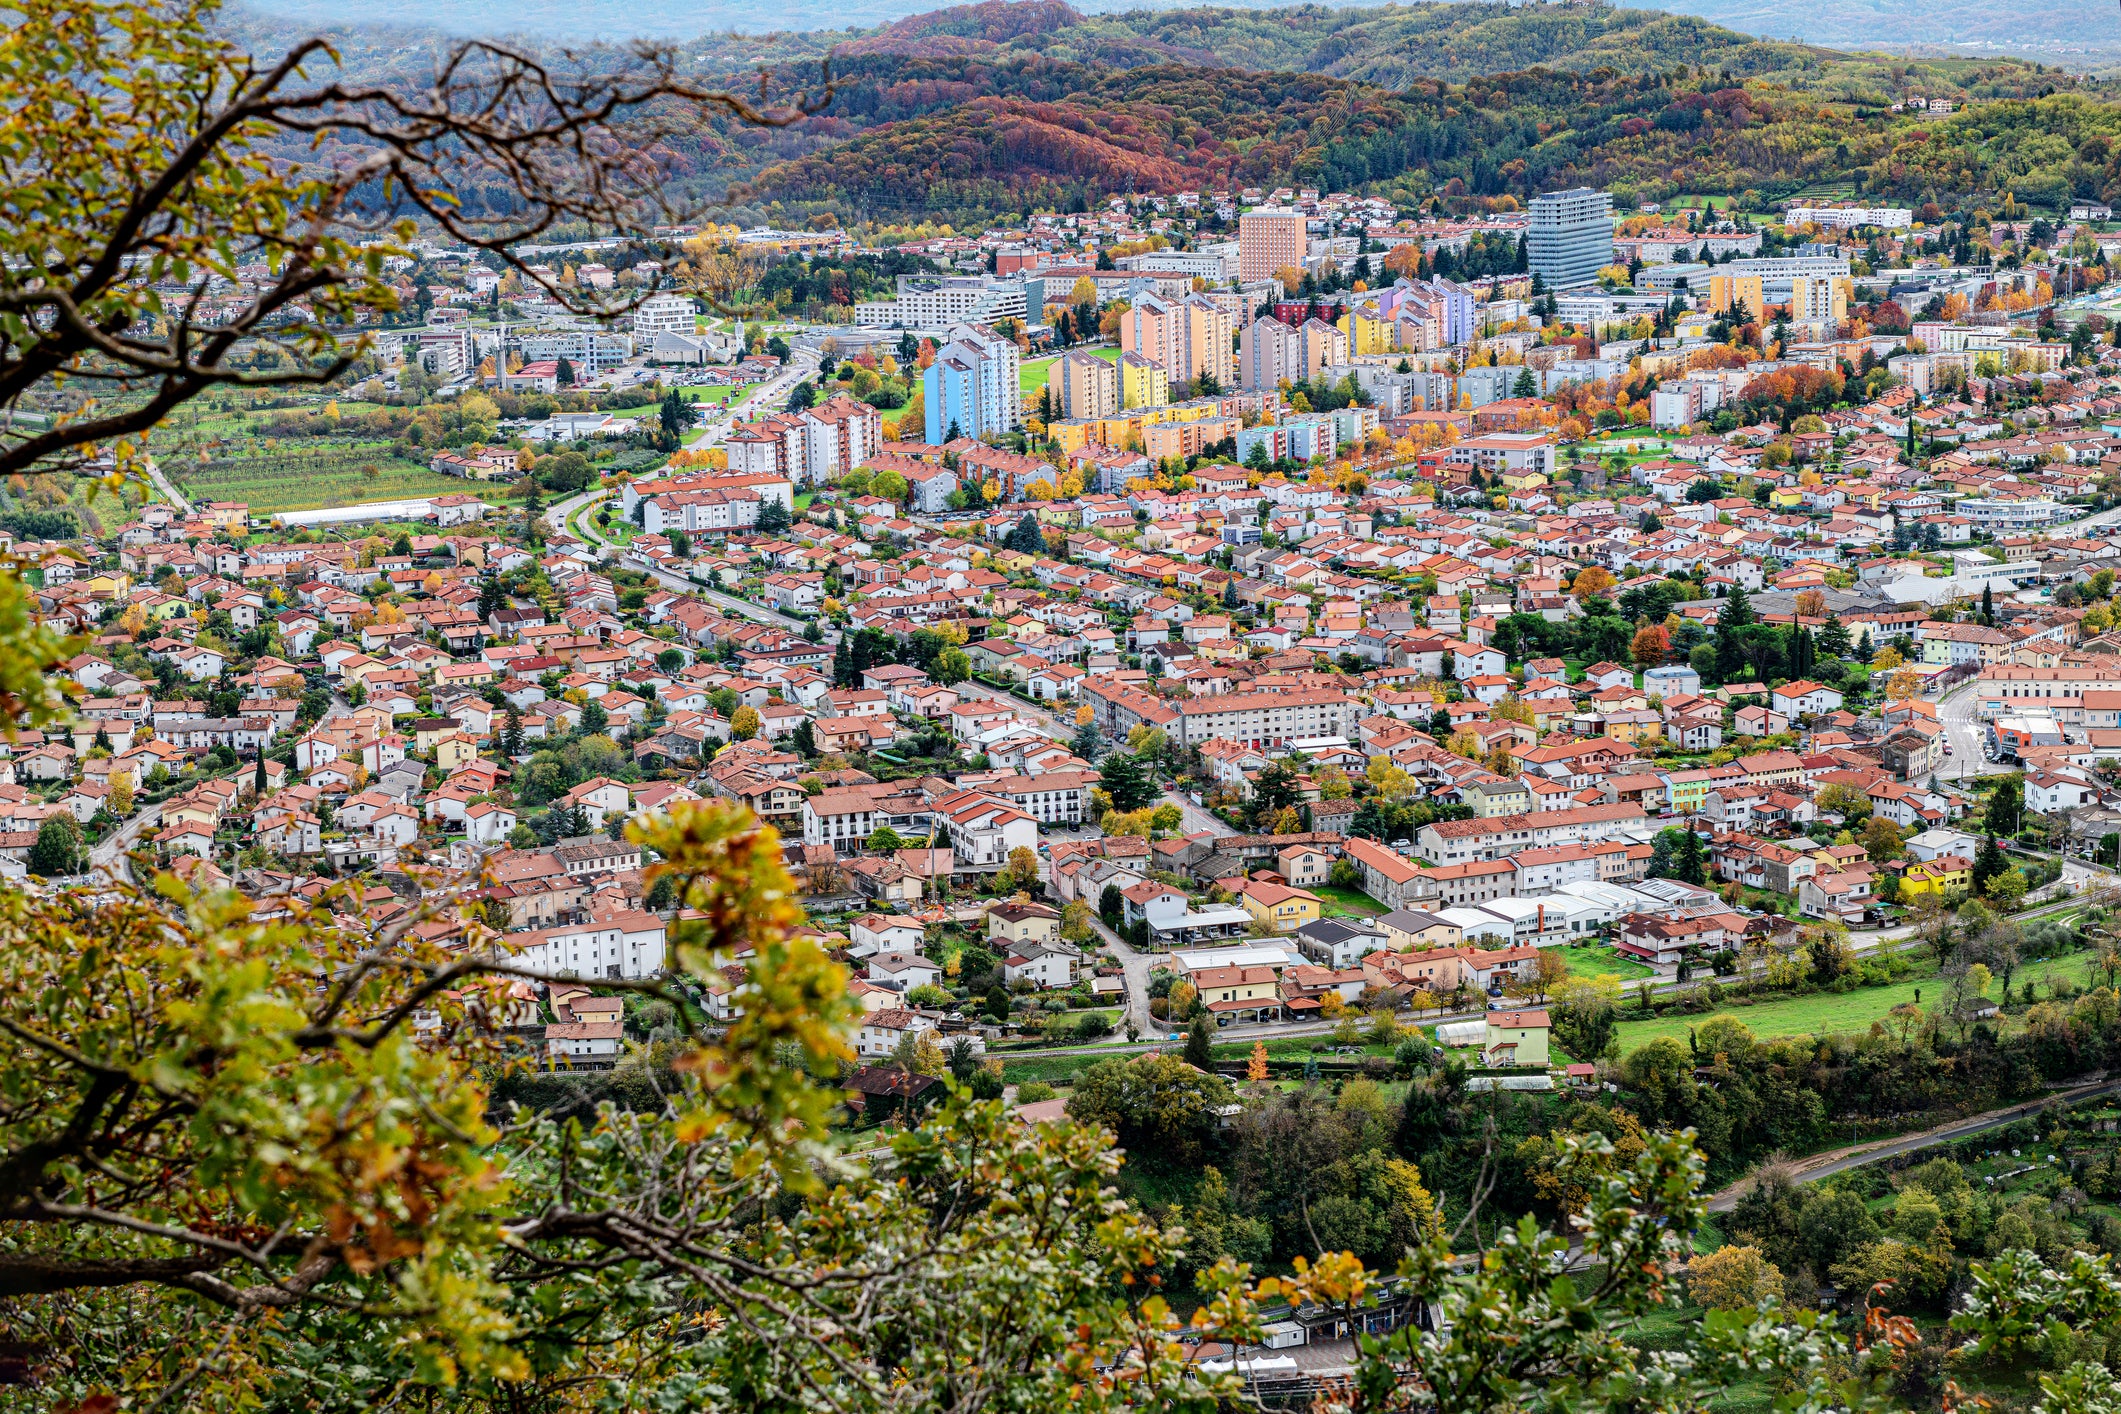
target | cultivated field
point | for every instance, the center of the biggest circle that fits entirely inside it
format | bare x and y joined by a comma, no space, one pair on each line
304,481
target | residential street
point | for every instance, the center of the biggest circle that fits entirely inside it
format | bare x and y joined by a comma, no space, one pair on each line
1197,818
169,492
1957,711
1053,724
556,515
111,850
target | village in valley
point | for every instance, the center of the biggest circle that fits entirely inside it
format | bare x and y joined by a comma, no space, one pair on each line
1244,610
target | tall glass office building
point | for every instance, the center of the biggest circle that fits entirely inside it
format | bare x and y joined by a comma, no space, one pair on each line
1570,238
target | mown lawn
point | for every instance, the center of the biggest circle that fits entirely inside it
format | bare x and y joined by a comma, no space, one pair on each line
716,393
1841,1011
1599,960
1348,901
1032,376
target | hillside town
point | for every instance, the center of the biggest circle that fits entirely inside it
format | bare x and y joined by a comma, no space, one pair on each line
1368,627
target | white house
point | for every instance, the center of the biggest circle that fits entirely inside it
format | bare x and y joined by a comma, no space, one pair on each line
1042,966
883,1030
1805,699
601,798
2049,792
395,824
625,945
902,972
578,1042
876,933
488,822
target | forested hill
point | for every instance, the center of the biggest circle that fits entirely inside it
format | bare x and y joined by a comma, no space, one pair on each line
965,114
1392,45
960,137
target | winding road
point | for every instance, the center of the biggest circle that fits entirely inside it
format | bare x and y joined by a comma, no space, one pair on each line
109,852
556,517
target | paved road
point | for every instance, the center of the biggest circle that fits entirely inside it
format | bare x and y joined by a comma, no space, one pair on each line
110,852
766,397
1962,728
556,516
1835,1161
1196,819
2091,522
1137,966
171,493
1052,723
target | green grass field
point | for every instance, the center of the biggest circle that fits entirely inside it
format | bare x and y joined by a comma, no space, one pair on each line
1598,960
301,481
1348,901
718,394
1032,376
1839,1011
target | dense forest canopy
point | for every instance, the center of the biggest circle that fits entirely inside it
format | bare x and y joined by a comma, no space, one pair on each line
962,135
973,113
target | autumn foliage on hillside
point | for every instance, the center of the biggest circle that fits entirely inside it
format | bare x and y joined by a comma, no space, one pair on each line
966,29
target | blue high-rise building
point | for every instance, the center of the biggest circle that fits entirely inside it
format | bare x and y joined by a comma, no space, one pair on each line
1570,238
973,385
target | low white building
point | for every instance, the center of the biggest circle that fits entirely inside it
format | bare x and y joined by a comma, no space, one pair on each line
883,1030
585,1043
1041,966
623,945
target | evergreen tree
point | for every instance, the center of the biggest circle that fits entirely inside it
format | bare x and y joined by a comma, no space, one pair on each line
1526,385
512,734
1688,865
804,739
1200,1045
1803,652
1088,742
2006,808
1737,611
1128,781
773,517
843,662
257,780
1027,538
1834,639
1988,863
1988,605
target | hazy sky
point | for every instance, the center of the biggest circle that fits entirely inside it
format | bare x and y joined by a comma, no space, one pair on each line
2055,29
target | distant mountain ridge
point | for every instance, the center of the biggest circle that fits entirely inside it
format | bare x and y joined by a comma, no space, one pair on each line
2056,32
978,111
2061,30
